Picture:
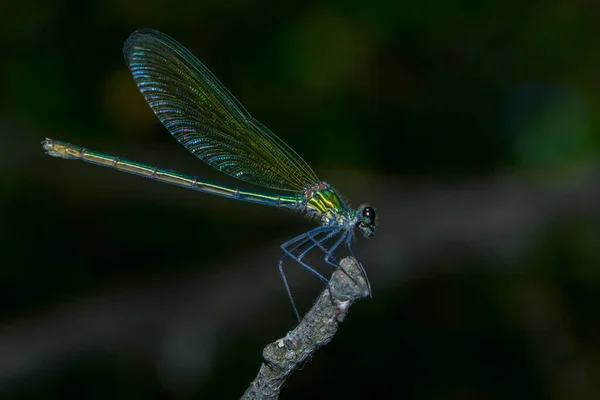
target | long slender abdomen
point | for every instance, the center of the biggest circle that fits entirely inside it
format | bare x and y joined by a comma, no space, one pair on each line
57,148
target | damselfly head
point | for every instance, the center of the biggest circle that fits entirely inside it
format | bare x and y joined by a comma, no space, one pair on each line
367,220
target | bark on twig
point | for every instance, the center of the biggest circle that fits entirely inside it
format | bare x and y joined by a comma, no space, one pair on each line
317,328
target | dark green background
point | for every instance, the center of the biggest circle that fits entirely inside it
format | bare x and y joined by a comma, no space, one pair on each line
471,126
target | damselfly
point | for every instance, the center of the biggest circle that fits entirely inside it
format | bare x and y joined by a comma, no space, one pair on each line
208,121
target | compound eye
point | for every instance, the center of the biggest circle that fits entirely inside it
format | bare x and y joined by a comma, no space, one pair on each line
368,215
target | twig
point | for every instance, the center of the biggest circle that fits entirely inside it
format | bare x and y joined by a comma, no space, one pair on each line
317,328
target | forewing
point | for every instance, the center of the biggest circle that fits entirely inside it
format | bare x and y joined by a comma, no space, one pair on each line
207,119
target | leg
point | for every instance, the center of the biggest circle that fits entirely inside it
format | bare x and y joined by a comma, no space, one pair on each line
318,243
329,253
287,289
313,238
362,270
298,242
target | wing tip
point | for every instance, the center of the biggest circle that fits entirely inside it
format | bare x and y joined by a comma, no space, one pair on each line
136,37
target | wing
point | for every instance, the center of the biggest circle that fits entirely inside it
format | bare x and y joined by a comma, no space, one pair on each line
207,119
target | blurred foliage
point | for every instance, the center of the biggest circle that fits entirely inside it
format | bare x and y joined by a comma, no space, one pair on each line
431,90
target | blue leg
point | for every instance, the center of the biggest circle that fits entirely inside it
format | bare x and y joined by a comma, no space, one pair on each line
319,243
298,242
329,253
287,289
313,238
330,259
362,270
303,239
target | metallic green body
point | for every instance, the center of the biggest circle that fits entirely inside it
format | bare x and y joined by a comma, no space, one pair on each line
57,148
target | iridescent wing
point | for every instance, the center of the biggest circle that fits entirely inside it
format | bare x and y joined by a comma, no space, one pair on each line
207,119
